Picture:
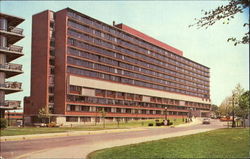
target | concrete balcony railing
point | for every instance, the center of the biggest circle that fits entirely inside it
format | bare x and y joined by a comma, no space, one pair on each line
10,104
16,30
51,105
9,66
15,48
12,85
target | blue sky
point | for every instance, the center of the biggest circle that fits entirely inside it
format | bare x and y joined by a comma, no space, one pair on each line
166,21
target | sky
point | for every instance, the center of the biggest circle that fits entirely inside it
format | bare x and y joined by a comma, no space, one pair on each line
166,21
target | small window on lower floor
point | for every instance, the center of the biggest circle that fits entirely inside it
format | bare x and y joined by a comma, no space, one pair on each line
85,119
71,119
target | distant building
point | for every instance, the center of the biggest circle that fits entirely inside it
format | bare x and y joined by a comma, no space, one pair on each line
9,35
14,118
81,66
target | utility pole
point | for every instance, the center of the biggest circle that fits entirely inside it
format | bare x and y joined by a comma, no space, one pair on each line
233,123
166,115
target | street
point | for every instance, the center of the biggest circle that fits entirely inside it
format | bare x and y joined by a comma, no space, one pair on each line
80,146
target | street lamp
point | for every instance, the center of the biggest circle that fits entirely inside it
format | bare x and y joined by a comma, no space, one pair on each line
190,109
166,109
233,123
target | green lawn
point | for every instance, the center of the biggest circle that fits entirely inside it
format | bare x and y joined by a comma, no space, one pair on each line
222,143
10,131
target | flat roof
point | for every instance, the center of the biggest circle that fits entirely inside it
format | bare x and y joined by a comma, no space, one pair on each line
12,20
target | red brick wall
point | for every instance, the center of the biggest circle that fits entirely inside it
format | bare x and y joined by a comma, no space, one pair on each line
39,62
60,61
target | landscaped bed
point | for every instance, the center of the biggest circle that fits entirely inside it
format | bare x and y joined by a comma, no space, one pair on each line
222,143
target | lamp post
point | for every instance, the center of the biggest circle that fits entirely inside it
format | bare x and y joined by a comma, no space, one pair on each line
166,116
233,122
189,112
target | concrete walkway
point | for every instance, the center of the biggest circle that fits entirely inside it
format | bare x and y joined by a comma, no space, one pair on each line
81,151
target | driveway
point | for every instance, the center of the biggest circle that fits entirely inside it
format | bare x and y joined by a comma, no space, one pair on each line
80,146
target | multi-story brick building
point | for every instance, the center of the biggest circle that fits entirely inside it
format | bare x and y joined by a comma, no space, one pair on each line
81,66
9,35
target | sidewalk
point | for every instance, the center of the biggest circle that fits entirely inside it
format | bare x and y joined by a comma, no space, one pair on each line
195,121
77,133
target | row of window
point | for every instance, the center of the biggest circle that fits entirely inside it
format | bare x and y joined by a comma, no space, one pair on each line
128,103
133,40
138,62
157,60
182,78
80,108
104,76
131,74
75,119
138,97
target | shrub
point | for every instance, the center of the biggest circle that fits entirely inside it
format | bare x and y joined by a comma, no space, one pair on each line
52,124
159,124
3,123
170,123
150,124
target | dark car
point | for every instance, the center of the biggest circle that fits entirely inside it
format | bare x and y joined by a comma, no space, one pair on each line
206,121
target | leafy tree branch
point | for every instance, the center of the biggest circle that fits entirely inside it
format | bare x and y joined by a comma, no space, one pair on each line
225,13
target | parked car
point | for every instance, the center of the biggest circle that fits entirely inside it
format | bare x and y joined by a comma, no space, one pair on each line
206,121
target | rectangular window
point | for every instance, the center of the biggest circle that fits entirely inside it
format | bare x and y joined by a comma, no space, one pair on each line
85,119
71,119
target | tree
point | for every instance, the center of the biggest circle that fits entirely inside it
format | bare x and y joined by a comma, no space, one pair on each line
225,108
103,114
244,105
237,93
226,13
3,123
215,110
244,102
43,114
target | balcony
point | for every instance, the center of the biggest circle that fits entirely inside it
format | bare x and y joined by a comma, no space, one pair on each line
16,30
11,87
51,105
10,104
13,34
11,69
12,52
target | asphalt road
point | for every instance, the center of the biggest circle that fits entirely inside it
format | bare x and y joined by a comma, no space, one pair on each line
44,147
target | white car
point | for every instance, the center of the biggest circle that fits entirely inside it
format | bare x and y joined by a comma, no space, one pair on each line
206,121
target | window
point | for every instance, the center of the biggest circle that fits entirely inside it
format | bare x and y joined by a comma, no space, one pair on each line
85,119
85,108
71,119
118,110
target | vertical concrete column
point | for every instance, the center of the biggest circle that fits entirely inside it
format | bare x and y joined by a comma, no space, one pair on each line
92,109
3,44
3,24
113,110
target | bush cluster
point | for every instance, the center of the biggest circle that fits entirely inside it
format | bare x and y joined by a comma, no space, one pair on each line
3,123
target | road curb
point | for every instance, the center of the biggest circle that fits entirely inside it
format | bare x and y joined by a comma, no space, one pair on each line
78,133
63,134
